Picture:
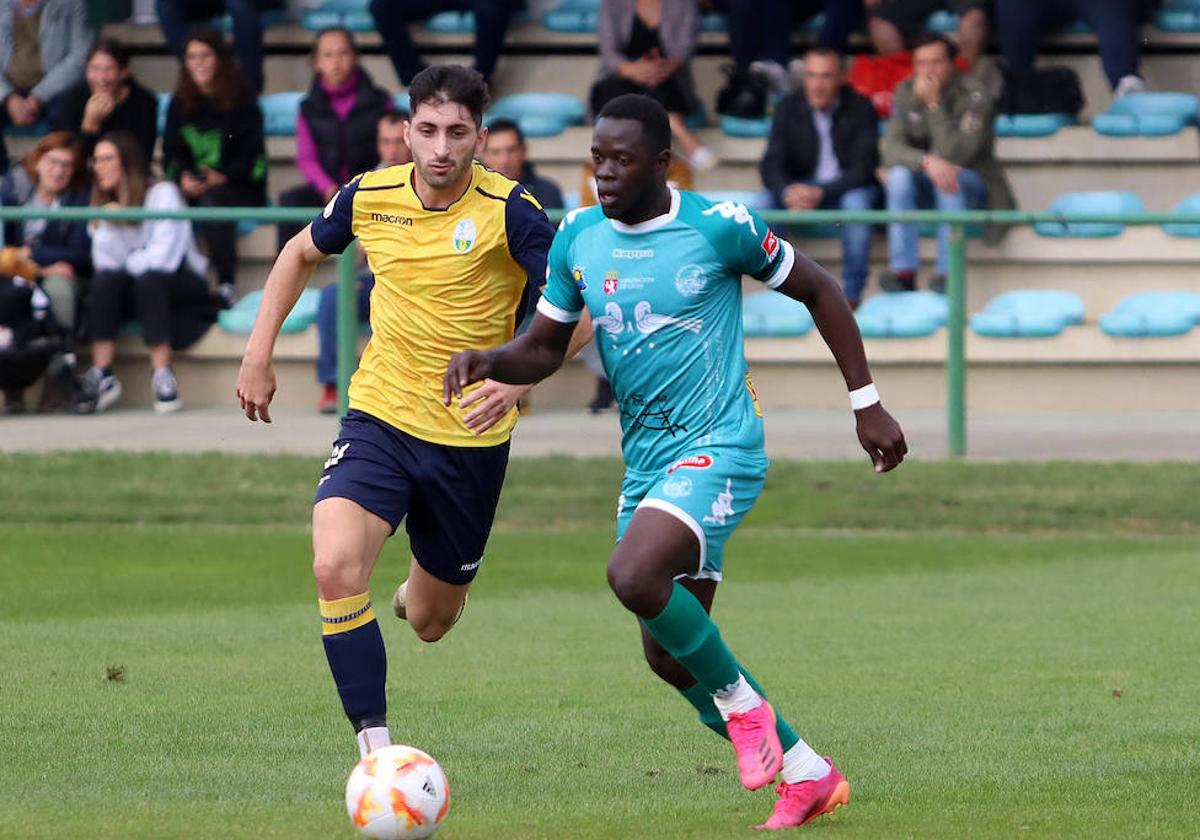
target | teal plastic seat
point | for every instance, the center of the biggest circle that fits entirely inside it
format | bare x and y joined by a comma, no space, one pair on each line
942,21
743,127
1191,204
279,112
754,200
351,14
239,319
540,114
164,105
451,22
1178,20
570,199
1031,125
570,20
1097,201
714,22
1153,315
770,314
902,315
402,102
1154,114
1033,313
38,129
270,17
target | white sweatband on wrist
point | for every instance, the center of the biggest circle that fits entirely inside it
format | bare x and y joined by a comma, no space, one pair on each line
864,397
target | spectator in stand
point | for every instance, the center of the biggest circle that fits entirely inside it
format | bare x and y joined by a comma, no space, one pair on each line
336,125
178,17
646,47
505,151
43,46
893,24
52,175
392,19
54,255
213,146
109,99
760,32
823,153
392,150
1020,23
939,151
151,271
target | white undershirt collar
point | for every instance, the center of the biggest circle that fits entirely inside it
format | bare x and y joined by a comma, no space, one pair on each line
654,223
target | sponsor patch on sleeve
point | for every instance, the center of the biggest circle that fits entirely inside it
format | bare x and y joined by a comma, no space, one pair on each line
770,244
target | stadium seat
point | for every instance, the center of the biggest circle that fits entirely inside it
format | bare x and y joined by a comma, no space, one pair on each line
38,129
279,113
402,102
164,105
1148,115
572,16
540,114
351,14
942,21
1179,16
1191,204
570,199
1153,315
770,314
714,22
239,319
270,17
902,315
1099,201
743,127
1031,125
451,22
1037,313
754,199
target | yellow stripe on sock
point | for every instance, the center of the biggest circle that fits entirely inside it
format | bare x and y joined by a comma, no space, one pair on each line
346,614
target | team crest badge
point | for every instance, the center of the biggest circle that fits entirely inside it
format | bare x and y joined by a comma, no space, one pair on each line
577,276
464,236
611,281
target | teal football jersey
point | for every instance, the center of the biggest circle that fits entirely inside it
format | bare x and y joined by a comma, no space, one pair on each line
665,297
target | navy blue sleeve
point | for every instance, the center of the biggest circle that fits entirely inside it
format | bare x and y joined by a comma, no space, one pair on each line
529,236
333,228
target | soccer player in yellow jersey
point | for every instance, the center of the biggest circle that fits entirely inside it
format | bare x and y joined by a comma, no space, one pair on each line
457,251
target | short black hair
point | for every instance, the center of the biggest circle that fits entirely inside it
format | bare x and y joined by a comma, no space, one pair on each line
503,124
928,39
818,49
394,117
113,48
440,83
656,127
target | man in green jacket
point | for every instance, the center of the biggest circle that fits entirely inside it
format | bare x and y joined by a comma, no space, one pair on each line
939,151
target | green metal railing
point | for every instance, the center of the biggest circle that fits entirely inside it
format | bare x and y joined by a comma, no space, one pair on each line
956,281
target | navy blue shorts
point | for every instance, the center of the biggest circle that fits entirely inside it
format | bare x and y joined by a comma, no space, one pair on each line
446,494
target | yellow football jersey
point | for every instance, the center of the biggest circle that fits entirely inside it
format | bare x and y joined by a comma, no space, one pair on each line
445,281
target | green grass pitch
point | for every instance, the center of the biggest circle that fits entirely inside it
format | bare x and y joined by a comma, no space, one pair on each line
988,650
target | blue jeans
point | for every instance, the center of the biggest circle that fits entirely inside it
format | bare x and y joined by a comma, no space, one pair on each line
909,190
856,239
327,325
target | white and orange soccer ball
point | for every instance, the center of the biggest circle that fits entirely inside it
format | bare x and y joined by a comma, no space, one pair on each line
398,793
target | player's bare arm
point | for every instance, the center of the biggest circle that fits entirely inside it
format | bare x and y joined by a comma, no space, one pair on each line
529,358
289,275
878,432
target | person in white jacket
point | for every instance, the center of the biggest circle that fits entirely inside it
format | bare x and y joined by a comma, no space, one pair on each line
151,271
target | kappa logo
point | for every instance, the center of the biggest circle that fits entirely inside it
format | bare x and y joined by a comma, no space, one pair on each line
692,462
770,244
723,506
633,253
733,210
335,457
620,505
611,281
464,236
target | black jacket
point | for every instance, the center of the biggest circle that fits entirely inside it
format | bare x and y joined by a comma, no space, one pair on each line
349,142
230,142
59,241
792,150
544,190
138,115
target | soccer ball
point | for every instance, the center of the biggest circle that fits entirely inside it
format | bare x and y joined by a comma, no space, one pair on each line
398,793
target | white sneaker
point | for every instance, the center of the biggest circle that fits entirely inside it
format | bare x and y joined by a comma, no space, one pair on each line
1129,84
166,391
100,392
703,160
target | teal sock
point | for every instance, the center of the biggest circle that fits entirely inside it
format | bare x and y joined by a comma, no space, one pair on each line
687,632
702,702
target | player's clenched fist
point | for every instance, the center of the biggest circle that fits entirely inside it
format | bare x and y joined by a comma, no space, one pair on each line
465,367
255,389
881,436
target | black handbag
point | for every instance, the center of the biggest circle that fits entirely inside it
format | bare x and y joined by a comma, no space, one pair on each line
743,95
1043,90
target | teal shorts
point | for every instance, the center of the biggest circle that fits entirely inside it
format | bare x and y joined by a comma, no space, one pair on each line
710,490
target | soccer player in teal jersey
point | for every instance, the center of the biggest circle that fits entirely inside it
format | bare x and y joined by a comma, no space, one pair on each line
659,272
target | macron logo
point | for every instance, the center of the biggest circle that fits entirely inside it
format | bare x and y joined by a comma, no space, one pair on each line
388,218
